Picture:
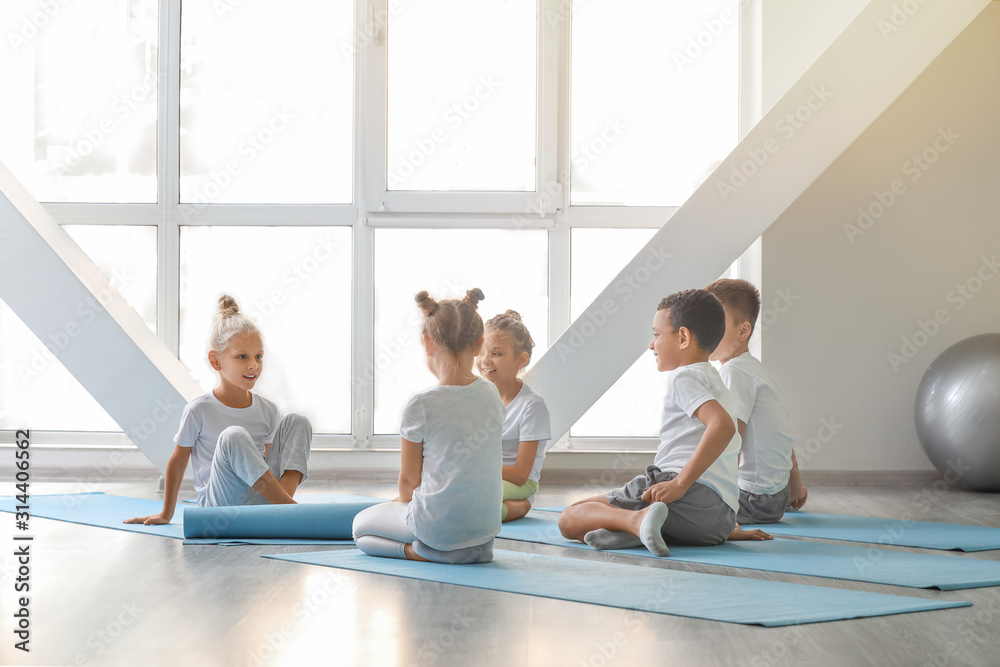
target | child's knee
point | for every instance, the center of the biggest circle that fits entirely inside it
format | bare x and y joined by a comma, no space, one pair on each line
296,421
359,526
567,521
235,436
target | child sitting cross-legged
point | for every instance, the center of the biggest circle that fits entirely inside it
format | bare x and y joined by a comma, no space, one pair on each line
689,495
769,475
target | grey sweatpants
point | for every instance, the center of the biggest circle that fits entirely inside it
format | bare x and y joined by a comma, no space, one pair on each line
237,462
757,508
699,518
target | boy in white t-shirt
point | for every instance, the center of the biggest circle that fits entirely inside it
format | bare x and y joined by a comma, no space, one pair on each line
769,475
689,495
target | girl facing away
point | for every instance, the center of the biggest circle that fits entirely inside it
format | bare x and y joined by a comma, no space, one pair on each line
449,473
526,432
242,451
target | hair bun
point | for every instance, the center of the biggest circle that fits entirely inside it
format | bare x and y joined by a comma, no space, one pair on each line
227,305
425,302
474,296
513,314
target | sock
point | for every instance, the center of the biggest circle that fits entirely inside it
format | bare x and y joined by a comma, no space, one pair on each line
649,531
602,538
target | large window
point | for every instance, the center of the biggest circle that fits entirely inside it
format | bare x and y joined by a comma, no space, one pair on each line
324,160
462,122
79,89
655,98
266,103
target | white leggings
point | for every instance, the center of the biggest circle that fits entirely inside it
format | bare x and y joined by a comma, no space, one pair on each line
381,530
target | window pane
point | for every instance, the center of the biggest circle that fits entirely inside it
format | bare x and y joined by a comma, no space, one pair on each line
510,267
127,256
36,390
654,105
267,101
632,406
79,98
461,96
295,282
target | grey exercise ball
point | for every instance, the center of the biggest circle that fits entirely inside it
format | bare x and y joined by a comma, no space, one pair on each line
958,412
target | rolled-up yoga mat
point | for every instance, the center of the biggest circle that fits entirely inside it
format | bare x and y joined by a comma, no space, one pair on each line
313,521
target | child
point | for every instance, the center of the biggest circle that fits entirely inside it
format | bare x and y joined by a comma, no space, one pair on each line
769,475
243,454
689,494
449,474
506,352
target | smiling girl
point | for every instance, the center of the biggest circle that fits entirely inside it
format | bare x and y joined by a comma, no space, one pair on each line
242,451
526,432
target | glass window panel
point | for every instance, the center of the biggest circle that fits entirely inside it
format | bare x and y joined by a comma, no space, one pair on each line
126,255
654,101
79,98
267,102
295,282
461,95
511,267
632,406
36,390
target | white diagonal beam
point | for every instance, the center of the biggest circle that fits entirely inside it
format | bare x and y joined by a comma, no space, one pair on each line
866,68
72,308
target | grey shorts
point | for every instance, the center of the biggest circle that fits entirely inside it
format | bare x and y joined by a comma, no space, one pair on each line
700,518
756,508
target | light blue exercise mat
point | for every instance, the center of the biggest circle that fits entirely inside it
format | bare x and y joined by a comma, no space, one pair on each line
108,511
831,561
706,596
873,530
893,532
315,521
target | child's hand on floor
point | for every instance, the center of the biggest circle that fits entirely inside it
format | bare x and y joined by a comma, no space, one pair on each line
756,534
664,492
797,498
151,520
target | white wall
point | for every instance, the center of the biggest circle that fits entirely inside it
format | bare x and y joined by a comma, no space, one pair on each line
849,300
793,34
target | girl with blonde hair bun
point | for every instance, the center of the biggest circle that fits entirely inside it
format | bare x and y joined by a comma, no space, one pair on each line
242,450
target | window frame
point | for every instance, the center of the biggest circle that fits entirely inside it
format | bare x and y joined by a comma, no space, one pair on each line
547,207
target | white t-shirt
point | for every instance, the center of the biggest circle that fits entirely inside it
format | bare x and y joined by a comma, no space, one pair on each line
767,441
205,418
688,388
457,503
527,419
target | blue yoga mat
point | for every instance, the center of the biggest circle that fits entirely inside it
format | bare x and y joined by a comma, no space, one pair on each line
873,530
108,511
831,561
326,521
706,596
894,532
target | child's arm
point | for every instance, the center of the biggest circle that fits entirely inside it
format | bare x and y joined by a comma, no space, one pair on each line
719,432
518,473
741,428
176,466
411,465
797,492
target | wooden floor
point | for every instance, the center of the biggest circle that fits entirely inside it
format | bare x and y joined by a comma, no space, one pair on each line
103,597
